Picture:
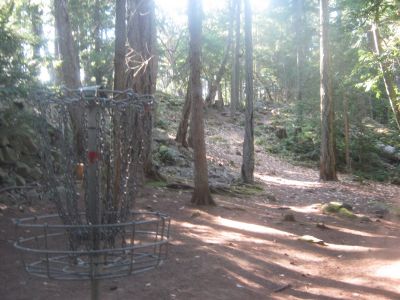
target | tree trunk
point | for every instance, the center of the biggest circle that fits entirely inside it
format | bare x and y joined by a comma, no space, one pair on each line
327,159
201,194
120,49
346,131
181,135
69,69
142,66
213,85
235,85
388,78
299,28
248,144
97,41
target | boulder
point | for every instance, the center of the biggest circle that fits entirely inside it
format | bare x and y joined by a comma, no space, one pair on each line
9,155
19,180
4,142
23,169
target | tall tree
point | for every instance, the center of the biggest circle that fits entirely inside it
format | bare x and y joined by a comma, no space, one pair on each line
142,66
213,87
327,155
388,78
235,85
69,68
201,194
120,45
299,29
181,134
248,144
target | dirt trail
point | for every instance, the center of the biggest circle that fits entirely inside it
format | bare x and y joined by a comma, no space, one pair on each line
243,248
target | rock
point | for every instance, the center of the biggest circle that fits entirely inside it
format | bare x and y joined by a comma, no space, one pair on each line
36,173
9,155
379,209
4,142
238,153
23,169
289,217
19,180
3,176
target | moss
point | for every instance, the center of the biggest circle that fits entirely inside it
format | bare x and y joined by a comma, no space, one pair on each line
332,207
344,212
156,184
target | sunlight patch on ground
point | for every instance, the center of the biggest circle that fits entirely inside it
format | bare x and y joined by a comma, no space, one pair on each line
287,182
361,233
306,209
351,248
391,270
212,236
242,282
252,227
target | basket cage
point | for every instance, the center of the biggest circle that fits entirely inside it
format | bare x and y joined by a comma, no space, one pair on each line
95,233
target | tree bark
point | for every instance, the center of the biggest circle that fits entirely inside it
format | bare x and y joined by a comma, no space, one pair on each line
248,144
201,194
97,41
181,135
299,29
388,78
346,121
327,159
142,66
235,85
69,69
120,47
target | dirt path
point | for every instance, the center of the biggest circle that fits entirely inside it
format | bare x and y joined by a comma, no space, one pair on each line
243,248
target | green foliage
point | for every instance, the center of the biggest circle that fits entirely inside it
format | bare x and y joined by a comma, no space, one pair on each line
14,71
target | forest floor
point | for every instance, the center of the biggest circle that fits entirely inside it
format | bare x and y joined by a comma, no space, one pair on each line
248,246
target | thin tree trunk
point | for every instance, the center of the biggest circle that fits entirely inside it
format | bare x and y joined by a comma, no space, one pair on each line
388,78
235,85
299,28
346,121
181,135
248,144
120,48
327,159
69,69
97,41
213,85
201,194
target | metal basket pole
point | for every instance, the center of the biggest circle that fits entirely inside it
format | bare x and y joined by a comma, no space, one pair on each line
92,190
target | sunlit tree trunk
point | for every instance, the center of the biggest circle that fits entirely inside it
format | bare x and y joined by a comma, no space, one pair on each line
248,144
388,78
120,47
69,68
201,194
327,159
97,41
235,85
299,29
142,64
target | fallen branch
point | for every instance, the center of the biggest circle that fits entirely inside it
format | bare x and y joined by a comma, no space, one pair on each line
16,187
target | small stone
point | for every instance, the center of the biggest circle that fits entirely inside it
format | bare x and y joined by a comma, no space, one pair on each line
238,153
289,217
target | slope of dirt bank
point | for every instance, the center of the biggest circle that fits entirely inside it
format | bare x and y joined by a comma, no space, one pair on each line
247,247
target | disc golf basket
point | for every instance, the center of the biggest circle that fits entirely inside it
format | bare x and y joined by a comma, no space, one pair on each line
95,233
